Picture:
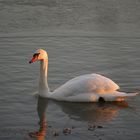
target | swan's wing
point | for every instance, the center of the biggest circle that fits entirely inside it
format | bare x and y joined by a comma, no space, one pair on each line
100,84
90,83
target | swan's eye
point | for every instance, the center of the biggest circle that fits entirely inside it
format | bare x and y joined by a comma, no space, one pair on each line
36,55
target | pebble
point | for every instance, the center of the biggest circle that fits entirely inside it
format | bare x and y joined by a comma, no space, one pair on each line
67,131
55,133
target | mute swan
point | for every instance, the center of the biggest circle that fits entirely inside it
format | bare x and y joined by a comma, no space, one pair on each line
85,88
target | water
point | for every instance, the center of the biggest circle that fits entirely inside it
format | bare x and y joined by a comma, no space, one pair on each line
80,37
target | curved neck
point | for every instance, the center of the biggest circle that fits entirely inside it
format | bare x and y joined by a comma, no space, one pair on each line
43,83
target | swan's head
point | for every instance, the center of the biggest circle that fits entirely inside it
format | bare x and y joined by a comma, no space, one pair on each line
39,55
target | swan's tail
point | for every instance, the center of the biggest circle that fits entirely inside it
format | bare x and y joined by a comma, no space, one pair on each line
130,94
125,95
118,96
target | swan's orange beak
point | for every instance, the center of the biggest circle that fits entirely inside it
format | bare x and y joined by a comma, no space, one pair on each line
33,60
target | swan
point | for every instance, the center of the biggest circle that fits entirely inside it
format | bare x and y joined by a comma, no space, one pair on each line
85,88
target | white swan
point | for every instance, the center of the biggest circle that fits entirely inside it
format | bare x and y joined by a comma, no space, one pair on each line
85,88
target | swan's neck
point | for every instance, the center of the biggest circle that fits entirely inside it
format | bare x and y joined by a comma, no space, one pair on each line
43,83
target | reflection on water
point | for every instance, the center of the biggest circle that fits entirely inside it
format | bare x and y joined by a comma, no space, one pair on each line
41,109
95,114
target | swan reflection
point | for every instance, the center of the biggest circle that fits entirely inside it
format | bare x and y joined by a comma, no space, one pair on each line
92,113
41,109
97,113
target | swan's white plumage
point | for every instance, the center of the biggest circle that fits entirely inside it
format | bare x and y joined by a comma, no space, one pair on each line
85,88
86,84
89,88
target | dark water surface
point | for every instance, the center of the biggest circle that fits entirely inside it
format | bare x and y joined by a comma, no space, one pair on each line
80,36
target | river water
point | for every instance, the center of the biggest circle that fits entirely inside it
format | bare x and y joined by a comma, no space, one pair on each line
81,37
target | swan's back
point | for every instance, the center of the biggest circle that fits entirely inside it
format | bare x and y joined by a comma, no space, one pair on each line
83,86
